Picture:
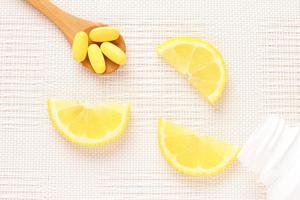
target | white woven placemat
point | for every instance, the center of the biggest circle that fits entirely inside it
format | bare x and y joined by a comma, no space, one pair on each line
260,41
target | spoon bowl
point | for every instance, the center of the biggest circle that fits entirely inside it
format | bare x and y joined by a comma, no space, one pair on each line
110,66
70,25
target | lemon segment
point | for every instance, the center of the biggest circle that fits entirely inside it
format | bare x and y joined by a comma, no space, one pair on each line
192,154
88,125
200,61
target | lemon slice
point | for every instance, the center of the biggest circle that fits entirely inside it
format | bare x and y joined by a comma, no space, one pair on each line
88,125
200,61
192,154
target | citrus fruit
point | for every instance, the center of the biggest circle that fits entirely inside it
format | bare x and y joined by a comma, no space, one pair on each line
200,61
192,154
88,125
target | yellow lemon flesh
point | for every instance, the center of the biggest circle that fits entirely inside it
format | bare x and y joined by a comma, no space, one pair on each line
200,61
192,154
88,125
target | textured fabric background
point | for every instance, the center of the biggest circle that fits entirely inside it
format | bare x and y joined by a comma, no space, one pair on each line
260,41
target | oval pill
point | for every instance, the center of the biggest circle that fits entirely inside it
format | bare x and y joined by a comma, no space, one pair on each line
104,34
113,52
80,46
96,58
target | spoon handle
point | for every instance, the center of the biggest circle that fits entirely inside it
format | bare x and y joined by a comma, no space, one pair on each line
66,22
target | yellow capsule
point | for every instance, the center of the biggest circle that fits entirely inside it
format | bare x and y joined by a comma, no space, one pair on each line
96,58
104,34
113,52
80,46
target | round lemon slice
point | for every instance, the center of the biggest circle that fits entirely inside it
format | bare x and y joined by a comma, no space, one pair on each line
192,154
200,61
88,125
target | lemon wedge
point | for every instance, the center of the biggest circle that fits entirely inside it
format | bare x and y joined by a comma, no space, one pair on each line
88,125
192,154
200,61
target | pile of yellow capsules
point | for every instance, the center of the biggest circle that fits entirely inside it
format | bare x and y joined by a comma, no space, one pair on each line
97,44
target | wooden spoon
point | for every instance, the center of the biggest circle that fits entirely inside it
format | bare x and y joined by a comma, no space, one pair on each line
70,25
